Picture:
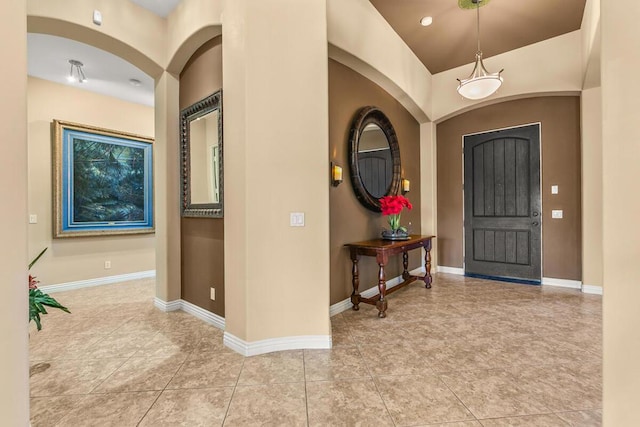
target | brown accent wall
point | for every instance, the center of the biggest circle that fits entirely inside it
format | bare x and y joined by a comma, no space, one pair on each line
350,221
202,239
560,146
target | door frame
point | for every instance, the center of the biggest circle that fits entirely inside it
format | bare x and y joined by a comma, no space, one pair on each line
539,124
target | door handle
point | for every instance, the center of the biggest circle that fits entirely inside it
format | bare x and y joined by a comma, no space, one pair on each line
535,223
535,214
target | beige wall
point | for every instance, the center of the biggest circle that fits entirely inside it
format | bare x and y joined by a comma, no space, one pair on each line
428,179
14,357
591,45
276,145
73,259
191,24
591,149
350,221
560,150
621,206
203,238
166,161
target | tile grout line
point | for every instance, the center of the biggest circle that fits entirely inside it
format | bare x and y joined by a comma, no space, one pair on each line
457,397
375,384
306,393
372,378
233,393
115,370
166,385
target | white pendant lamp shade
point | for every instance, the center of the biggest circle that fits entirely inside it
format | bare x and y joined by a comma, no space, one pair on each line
480,83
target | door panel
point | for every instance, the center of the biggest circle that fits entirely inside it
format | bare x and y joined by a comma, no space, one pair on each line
502,203
376,170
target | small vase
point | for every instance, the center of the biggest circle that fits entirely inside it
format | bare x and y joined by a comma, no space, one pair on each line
395,234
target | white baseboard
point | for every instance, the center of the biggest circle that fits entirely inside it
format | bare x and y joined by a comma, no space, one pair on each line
562,283
345,304
69,286
590,289
450,270
204,315
167,306
192,309
276,344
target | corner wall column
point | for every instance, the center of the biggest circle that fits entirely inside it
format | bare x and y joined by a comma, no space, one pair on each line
166,170
591,151
621,206
14,358
276,148
428,175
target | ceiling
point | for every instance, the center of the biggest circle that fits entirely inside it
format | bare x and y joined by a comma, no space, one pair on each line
160,7
504,25
48,58
448,43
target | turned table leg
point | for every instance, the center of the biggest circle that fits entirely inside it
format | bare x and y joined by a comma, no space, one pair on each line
381,304
427,261
405,264
355,282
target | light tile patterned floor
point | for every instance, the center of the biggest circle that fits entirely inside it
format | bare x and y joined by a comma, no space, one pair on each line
467,352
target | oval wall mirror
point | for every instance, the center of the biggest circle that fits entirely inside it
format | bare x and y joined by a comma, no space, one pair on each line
201,154
374,157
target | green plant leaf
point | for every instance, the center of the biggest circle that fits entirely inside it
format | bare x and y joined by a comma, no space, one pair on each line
37,258
36,318
37,302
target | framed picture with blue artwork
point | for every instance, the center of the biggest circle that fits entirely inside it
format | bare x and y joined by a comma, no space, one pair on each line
103,181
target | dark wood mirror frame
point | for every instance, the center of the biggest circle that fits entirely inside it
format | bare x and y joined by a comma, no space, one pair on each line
200,210
365,116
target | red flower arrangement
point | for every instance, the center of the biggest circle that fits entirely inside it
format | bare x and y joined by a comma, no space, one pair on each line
392,206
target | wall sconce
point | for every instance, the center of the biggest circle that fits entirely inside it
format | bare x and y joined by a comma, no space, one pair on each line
406,185
336,174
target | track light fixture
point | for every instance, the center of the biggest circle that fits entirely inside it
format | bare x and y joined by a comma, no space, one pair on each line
76,74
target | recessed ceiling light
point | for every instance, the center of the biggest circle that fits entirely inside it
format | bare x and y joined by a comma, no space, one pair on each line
135,82
426,21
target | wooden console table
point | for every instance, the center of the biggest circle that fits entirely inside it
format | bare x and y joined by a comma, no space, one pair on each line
382,249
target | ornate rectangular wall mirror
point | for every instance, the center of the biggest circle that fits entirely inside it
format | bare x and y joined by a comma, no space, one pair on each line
201,158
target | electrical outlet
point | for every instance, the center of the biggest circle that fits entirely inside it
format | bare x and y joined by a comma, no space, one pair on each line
213,294
33,219
107,265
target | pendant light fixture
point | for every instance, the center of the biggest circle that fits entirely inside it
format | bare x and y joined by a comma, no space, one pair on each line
480,83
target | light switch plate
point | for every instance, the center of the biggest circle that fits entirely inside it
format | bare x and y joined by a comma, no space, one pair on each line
296,219
554,189
33,219
213,294
557,214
